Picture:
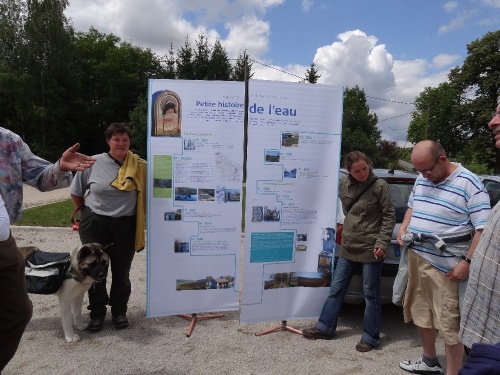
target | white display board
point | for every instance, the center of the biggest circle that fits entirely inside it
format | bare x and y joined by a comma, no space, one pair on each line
195,171
294,138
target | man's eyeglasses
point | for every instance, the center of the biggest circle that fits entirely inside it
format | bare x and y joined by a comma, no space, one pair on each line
429,170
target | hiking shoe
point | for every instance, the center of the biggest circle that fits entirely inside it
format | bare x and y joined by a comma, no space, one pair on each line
95,325
313,333
363,346
419,367
120,321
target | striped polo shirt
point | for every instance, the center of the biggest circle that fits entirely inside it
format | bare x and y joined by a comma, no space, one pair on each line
456,205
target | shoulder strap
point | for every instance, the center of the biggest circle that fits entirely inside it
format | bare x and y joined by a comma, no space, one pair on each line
353,202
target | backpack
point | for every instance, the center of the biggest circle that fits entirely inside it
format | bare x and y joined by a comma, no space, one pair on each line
45,271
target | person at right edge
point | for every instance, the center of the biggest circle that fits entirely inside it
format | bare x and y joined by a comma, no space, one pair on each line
368,225
112,212
449,204
480,318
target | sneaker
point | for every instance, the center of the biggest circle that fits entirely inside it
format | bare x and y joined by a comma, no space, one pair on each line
95,325
120,321
419,367
313,333
363,346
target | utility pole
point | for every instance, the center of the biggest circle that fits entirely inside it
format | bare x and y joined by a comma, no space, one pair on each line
245,119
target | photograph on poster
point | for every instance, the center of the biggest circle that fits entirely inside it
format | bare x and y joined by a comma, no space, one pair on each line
173,215
290,173
272,156
162,176
272,214
167,110
206,195
302,237
289,139
206,283
325,263
181,245
226,195
257,214
296,279
186,194
162,182
189,144
301,248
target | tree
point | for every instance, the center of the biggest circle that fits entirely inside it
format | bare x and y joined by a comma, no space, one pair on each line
238,72
138,127
113,75
184,62
11,37
359,126
201,58
312,75
479,83
171,73
439,116
46,77
388,152
219,67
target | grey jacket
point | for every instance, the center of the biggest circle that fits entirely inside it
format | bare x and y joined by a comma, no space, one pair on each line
370,222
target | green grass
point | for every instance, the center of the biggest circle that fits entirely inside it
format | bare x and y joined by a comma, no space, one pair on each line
49,215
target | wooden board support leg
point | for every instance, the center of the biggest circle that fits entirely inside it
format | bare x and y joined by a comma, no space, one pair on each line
193,318
282,327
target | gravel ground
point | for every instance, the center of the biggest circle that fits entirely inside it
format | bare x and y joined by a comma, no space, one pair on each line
216,346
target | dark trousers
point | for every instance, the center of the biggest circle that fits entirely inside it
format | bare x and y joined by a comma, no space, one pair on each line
15,306
121,233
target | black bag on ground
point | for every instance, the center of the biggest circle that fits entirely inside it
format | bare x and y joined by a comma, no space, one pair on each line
45,271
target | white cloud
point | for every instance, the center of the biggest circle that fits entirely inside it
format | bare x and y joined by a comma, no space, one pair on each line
450,6
306,5
356,60
251,34
456,23
491,3
158,23
391,85
443,60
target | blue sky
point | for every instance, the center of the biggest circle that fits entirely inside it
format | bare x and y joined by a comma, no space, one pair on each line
392,49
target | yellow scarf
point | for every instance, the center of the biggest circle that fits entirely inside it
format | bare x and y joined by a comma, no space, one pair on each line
132,176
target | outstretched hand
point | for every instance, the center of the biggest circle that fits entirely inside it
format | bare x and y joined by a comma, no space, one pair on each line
71,160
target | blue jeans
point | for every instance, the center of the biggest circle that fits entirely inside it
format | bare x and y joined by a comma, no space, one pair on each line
342,276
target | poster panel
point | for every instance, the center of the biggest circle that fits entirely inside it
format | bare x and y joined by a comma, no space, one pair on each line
294,138
195,171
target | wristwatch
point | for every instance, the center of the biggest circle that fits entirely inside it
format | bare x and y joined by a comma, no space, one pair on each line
463,257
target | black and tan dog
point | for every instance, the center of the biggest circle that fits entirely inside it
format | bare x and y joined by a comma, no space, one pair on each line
88,264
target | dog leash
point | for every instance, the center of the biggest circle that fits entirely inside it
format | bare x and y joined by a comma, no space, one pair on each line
75,223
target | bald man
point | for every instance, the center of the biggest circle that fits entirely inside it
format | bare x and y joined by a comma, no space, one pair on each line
448,203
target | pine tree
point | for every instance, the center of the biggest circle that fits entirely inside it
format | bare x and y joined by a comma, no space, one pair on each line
171,72
238,72
184,62
312,75
219,68
201,58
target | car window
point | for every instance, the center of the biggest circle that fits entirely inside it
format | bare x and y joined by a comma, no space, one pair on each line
493,188
400,192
